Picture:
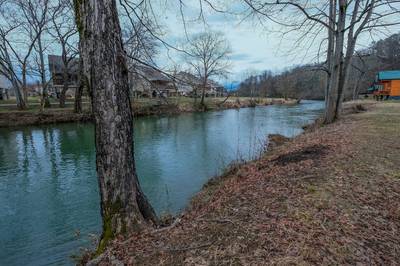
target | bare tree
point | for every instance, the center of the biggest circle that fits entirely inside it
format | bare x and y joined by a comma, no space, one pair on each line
64,31
339,23
208,54
124,207
36,15
13,64
23,23
139,41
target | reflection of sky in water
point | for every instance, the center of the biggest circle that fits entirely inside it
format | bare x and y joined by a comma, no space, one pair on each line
48,185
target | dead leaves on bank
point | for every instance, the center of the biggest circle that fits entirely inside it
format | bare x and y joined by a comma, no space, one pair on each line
322,198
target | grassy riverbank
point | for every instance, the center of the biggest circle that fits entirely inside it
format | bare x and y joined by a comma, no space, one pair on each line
9,116
329,196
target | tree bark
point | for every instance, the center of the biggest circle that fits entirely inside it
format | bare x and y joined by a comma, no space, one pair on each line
65,87
80,87
203,92
45,101
331,44
65,76
331,100
21,103
78,98
124,207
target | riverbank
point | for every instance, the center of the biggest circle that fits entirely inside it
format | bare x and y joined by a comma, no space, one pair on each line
141,107
329,196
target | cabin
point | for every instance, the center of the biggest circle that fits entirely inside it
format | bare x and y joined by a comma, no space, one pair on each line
386,85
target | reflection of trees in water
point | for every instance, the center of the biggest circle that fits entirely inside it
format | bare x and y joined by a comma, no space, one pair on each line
9,150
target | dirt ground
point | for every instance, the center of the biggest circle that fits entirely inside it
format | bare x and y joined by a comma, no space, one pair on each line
329,196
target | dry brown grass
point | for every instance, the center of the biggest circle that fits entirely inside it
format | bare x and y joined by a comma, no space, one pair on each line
330,196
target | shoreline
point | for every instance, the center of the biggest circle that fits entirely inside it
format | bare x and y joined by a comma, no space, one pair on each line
9,119
317,184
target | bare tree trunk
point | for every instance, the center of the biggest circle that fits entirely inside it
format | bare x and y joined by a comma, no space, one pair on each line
331,100
331,44
124,207
24,95
21,103
356,85
203,93
64,89
78,98
45,101
79,88
345,71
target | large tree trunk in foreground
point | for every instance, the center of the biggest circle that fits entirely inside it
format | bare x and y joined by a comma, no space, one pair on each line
124,207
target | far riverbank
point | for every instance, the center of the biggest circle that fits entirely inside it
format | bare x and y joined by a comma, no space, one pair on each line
141,107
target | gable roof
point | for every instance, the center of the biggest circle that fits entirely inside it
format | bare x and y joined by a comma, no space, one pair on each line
389,75
150,73
188,79
56,64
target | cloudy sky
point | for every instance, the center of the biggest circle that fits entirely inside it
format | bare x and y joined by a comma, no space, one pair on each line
255,47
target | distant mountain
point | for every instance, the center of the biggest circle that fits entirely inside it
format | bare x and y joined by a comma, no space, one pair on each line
231,86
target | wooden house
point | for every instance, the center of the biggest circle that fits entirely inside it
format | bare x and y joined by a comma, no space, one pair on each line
387,84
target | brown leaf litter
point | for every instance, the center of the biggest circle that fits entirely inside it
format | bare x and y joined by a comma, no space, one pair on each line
329,196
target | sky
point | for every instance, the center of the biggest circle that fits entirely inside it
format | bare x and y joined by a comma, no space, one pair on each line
255,47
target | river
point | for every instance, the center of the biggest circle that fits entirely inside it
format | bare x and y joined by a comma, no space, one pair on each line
48,188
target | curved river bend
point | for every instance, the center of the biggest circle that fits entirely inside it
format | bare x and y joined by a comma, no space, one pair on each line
48,188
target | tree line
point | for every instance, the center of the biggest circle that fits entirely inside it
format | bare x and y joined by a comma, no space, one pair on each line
310,81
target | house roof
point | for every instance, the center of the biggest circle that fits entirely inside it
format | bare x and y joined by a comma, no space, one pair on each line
188,79
56,65
389,75
151,74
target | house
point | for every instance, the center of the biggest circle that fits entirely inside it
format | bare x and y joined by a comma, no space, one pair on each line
147,81
189,85
5,87
216,89
56,67
387,84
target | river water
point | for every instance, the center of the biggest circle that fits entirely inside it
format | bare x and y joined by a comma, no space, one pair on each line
48,188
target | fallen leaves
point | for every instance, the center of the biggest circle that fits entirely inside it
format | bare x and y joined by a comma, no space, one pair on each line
326,197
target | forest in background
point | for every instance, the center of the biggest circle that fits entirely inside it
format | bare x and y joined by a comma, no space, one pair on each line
309,81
